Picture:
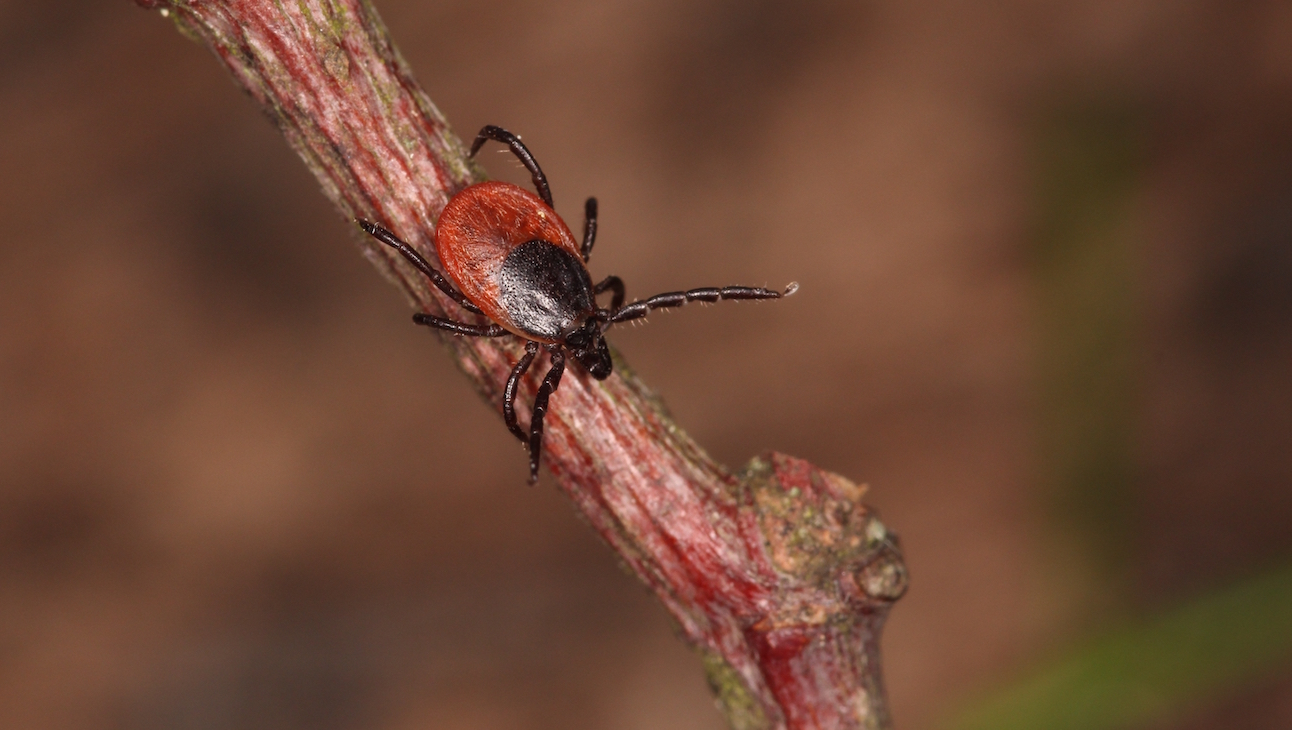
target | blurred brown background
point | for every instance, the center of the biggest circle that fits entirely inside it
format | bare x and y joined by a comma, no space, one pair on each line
1046,314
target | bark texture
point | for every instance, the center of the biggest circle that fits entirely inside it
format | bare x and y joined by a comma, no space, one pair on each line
780,576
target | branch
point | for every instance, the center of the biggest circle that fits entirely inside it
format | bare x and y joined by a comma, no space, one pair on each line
779,576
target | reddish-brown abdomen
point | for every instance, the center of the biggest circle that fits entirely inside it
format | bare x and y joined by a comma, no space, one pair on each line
480,226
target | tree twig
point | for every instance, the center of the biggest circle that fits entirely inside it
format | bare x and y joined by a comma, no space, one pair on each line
779,576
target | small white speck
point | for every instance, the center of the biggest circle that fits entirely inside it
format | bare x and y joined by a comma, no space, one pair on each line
876,532
165,12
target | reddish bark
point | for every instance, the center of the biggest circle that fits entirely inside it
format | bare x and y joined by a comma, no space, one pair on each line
780,576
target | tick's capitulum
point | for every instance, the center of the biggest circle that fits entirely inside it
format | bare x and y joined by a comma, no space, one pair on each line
515,261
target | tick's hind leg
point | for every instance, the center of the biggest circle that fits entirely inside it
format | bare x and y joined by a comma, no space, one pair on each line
441,283
518,148
459,328
509,393
589,227
549,386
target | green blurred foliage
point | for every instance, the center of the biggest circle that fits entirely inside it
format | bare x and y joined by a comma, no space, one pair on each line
1154,670
1089,160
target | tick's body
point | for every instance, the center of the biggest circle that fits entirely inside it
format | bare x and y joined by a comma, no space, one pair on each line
515,261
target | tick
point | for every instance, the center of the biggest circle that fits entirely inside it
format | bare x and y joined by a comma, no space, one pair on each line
511,258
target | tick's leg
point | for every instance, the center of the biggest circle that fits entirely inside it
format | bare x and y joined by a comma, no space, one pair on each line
518,148
441,283
459,328
614,283
643,307
549,386
509,393
589,227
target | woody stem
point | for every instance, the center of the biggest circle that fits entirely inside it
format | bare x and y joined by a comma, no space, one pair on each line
779,576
